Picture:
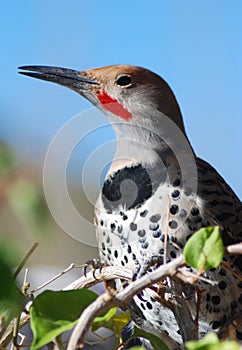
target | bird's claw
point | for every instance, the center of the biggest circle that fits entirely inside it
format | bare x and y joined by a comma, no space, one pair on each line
94,264
141,270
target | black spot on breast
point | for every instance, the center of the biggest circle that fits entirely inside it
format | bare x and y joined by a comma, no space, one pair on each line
133,226
198,219
173,224
192,227
216,299
188,191
154,227
156,234
177,182
149,305
113,227
120,229
175,194
155,218
222,272
145,245
141,233
215,324
142,305
143,213
222,285
208,307
174,209
130,187
194,211
172,254
183,213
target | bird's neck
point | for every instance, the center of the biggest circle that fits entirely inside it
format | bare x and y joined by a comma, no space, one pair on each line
135,145
130,154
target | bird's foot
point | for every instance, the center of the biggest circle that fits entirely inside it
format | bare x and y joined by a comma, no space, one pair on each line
94,264
142,268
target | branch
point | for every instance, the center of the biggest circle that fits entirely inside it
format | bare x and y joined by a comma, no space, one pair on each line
235,249
8,333
106,273
25,259
121,299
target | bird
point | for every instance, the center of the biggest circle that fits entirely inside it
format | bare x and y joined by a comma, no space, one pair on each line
157,193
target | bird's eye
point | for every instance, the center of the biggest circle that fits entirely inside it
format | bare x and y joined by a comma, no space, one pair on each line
124,81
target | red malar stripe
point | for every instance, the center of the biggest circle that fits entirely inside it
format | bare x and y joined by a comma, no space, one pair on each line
113,105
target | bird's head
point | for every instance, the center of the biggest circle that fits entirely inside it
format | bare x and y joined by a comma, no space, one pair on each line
128,92
139,103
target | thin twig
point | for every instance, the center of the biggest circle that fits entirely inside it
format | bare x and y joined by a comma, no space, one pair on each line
15,332
190,277
25,259
58,344
8,333
69,268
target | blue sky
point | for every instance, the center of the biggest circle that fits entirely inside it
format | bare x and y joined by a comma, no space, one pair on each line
194,45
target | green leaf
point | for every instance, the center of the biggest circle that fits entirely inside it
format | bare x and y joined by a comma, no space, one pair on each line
205,249
105,320
121,320
113,320
11,299
137,348
211,342
155,341
53,313
9,251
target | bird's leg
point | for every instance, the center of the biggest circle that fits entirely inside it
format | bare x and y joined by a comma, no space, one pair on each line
155,260
94,264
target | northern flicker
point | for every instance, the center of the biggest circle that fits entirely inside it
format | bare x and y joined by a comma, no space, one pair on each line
157,193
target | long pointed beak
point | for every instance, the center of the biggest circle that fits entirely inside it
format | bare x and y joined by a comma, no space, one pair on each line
63,76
